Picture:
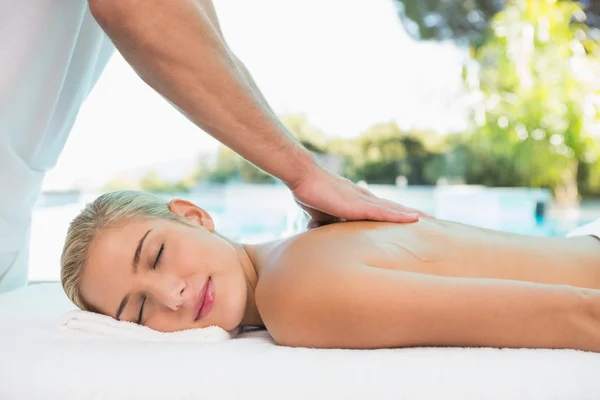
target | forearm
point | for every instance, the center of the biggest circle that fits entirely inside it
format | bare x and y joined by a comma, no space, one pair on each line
176,49
501,313
496,313
252,83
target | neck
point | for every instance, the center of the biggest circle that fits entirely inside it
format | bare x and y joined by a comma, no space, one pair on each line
249,256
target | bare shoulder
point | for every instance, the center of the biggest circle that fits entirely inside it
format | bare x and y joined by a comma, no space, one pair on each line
321,283
303,267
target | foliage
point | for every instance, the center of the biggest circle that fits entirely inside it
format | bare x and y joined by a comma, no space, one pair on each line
538,97
250,174
464,21
383,153
230,166
151,182
308,135
536,114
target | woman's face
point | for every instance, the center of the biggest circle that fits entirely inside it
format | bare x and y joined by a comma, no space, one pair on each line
166,275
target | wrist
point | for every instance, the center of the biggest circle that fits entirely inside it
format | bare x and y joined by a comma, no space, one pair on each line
303,166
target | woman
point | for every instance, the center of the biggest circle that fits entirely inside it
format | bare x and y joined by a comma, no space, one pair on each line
137,257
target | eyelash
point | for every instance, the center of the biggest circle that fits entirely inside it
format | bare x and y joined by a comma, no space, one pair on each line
141,310
158,256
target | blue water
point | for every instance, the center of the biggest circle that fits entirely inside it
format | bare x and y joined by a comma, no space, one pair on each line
255,228
547,227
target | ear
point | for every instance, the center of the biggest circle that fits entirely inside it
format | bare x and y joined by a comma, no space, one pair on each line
192,213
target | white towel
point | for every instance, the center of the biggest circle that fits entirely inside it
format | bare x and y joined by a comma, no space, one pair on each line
92,323
591,229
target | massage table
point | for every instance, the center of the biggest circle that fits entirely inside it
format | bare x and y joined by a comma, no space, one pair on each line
40,361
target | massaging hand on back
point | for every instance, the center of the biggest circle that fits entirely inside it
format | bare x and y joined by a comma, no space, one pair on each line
328,198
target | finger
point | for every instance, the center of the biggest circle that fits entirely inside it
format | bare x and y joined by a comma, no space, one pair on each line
376,212
409,210
403,209
423,214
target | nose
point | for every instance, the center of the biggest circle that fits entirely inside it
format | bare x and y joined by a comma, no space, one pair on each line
171,292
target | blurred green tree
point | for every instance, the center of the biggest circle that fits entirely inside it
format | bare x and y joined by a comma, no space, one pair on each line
308,135
466,21
229,166
537,95
382,153
250,174
151,182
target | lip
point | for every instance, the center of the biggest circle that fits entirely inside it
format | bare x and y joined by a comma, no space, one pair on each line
206,298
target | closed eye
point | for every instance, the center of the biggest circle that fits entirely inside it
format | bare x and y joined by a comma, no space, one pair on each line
139,320
157,260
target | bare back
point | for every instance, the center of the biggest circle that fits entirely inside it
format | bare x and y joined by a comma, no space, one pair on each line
445,248
338,285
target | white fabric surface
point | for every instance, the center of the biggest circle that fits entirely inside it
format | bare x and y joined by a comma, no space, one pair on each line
39,361
591,229
87,323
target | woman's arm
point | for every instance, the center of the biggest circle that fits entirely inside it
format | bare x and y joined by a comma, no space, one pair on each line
366,307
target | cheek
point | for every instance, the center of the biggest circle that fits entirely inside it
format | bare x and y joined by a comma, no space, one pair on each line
166,321
220,257
191,258
186,257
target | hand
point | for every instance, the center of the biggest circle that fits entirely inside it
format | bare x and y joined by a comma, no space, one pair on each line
328,198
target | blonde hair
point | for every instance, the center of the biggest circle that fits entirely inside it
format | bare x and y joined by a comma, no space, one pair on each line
107,211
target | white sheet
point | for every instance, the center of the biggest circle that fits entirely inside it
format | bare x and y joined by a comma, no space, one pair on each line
592,229
38,361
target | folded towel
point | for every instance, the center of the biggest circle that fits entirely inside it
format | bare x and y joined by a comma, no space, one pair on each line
591,229
88,322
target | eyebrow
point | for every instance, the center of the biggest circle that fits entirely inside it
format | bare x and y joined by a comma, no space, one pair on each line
138,251
134,264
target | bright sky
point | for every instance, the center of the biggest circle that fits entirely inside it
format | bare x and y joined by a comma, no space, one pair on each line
347,64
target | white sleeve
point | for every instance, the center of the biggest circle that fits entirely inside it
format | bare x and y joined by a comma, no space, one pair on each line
13,269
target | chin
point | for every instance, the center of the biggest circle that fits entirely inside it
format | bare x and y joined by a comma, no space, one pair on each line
234,314
233,318
230,326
